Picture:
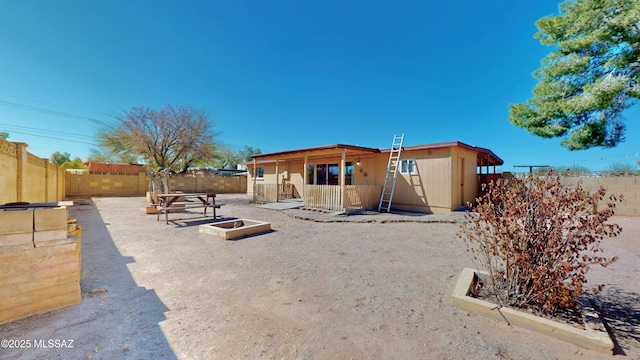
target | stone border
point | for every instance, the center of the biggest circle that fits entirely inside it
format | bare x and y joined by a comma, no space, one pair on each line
588,338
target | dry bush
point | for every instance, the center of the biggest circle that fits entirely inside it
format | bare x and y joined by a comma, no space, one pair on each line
537,239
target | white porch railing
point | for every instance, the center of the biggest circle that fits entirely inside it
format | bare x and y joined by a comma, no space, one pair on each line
323,197
330,197
327,197
362,196
272,192
265,193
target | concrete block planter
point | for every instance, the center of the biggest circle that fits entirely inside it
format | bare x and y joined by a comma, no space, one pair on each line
233,229
587,338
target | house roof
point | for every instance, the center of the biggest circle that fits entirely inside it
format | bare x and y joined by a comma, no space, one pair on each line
488,156
314,150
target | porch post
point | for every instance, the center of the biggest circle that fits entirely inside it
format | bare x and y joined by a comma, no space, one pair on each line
342,182
305,177
255,175
277,181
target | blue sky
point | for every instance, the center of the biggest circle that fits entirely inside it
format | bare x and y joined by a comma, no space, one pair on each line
282,75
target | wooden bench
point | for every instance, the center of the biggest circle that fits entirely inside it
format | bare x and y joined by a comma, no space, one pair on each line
174,202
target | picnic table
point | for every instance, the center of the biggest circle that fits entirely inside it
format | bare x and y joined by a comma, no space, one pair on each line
181,201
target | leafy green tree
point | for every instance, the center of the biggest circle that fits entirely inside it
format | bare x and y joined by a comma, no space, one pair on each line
247,152
172,137
59,158
226,158
105,155
4,135
76,163
590,78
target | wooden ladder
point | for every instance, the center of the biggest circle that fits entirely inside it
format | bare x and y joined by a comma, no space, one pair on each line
392,171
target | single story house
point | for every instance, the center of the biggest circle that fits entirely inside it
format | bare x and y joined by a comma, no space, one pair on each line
431,178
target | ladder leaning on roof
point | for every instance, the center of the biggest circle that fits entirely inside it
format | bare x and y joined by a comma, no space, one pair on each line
392,171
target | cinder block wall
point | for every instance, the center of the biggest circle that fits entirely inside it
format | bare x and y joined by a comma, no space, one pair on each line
26,177
216,184
106,185
39,262
138,184
627,186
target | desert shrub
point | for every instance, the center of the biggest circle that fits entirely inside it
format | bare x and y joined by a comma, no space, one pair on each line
537,240
621,169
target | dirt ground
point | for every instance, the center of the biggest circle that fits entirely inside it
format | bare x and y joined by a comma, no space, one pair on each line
307,290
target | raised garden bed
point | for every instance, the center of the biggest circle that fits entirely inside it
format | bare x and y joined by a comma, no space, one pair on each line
589,337
233,229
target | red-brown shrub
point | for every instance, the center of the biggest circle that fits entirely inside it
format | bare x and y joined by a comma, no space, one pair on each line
537,239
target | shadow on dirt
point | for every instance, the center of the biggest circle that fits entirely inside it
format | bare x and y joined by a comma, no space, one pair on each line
115,319
621,310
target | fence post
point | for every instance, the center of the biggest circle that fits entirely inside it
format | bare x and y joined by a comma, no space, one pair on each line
21,173
46,180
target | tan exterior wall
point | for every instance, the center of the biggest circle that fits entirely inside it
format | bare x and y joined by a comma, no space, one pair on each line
269,175
39,262
26,177
295,176
373,168
138,184
464,180
430,189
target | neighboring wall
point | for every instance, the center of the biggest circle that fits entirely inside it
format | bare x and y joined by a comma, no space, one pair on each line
627,186
85,184
205,183
26,177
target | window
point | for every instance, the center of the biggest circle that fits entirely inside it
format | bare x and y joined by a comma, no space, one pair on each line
408,166
310,172
348,173
334,174
260,172
329,174
321,174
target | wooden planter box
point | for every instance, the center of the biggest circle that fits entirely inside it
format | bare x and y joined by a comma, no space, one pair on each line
589,338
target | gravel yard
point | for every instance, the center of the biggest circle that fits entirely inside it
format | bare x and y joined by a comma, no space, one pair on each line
307,290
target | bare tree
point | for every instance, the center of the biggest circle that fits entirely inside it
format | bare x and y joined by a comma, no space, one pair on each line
173,137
